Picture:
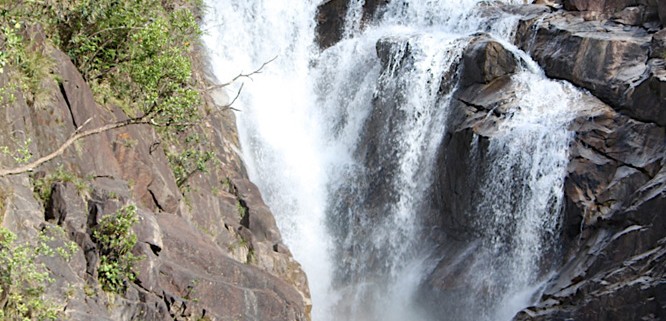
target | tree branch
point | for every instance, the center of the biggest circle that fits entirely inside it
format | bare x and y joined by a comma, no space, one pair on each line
242,75
144,119
78,134
228,106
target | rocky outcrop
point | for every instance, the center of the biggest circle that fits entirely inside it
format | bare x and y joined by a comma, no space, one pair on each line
618,64
331,16
212,251
613,237
479,104
612,242
613,228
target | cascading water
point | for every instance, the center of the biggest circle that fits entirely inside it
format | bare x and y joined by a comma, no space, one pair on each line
342,144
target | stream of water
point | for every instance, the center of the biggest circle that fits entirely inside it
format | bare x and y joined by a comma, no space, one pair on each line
343,148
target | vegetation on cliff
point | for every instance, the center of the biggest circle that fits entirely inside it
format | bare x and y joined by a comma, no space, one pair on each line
136,55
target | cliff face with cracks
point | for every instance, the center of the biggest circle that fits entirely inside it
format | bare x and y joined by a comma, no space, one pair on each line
610,264
613,236
209,252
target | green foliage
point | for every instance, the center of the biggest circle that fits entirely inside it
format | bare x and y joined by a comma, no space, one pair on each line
43,187
32,66
115,240
241,208
21,155
188,162
23,280
136,54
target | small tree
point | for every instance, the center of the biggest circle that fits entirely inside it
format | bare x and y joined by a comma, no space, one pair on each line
115,240
23,280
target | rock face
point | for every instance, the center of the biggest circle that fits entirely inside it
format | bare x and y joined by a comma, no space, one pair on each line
613,234
212,252
611,61
610,261
331,16
613,227
484,89
613,237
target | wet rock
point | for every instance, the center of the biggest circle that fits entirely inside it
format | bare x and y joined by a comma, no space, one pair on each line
372,8
613,236
330,22
486,60
485,91
331,15
658,45
608,60
648,100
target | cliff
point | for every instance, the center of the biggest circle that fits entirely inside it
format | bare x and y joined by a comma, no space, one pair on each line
609,260
203,244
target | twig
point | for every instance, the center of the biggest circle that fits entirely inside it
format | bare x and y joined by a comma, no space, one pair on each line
228,106
242,75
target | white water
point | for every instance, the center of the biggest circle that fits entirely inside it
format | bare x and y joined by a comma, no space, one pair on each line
347,208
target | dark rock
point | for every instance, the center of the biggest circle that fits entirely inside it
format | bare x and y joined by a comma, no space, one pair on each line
648,101
613,235
486,60
371,8
485,90
658,45
606,6
394,50
330,22
632,16
331,15
611,62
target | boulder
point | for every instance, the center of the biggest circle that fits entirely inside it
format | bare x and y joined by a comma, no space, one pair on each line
486,60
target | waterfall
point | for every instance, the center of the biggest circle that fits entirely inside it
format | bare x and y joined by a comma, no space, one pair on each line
342,144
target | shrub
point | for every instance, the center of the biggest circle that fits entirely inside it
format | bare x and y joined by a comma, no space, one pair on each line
23,280
115,240
30,65
43,187
136,54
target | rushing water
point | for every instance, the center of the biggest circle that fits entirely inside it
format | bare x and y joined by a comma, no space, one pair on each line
343,146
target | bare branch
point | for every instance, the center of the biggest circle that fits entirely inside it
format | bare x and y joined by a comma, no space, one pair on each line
242,75
78,134
228,106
